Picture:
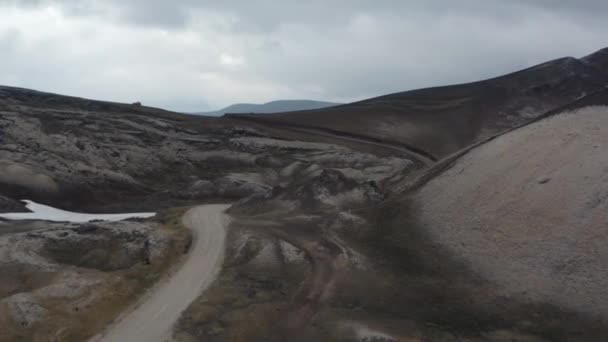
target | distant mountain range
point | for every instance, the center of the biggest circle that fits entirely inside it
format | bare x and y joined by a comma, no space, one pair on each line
272,107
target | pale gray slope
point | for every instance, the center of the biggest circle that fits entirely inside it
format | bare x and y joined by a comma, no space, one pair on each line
527,211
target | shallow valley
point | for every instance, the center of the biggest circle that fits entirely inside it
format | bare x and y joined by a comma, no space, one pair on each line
465,213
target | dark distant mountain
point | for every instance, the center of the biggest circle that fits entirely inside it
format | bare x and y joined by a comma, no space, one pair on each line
272,107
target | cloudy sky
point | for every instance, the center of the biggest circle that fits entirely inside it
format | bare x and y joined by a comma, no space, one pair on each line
194,55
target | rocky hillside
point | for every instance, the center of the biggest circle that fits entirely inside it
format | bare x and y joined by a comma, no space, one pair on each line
67,281
82,154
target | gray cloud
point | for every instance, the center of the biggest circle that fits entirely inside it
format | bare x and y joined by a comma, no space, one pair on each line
191,55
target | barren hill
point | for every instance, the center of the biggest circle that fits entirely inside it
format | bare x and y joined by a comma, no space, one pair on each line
528,210
442,120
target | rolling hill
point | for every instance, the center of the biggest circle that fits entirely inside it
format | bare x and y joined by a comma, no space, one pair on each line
442,120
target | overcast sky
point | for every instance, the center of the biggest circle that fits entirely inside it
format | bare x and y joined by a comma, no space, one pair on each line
195,55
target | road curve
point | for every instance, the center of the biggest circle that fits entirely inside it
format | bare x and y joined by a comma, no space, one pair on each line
153,318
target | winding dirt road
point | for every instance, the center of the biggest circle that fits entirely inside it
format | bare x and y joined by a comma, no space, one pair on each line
153,318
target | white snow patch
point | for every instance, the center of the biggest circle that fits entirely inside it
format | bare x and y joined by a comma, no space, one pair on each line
46,213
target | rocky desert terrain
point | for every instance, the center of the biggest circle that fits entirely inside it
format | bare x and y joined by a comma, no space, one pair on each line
464,213
66,281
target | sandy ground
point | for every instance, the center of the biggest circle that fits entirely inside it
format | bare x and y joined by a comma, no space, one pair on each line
528,211
153,319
